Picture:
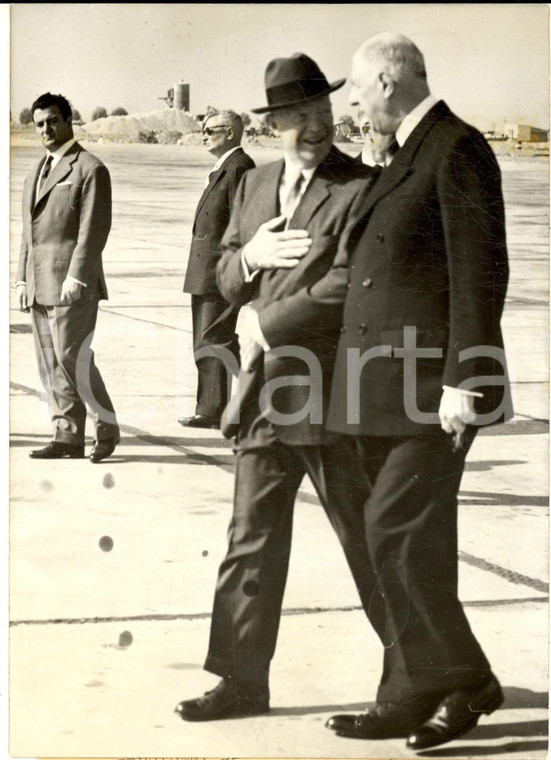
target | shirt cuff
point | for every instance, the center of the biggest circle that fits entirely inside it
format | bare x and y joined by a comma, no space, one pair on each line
74,279
464,392
256,330
20,282
249,276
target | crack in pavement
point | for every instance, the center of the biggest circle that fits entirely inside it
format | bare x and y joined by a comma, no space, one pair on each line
158,617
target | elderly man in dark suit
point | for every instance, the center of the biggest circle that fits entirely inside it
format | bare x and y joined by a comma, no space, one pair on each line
66,222
420,366
212,316
283,234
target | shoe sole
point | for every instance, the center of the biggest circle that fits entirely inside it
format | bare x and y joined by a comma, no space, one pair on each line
201,427
243,713
62,456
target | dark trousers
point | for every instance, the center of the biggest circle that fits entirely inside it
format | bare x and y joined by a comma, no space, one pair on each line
62,336
252,577
411,530
213,326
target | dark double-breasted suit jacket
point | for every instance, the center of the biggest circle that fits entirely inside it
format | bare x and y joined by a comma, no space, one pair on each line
213,318
323,211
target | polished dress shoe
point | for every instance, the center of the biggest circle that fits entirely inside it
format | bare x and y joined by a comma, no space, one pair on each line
224,701
58,450
199,421
457,713
103,449
386,720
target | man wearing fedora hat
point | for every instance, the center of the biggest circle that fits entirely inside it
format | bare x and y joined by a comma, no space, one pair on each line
286,222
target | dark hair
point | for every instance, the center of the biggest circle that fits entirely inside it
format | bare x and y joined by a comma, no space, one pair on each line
47,100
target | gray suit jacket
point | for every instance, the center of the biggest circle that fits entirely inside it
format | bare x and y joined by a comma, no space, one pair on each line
65,231
323,211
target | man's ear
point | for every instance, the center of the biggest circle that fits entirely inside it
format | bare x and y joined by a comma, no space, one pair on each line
387,84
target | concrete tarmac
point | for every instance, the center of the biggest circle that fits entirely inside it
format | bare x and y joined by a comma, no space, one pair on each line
104,641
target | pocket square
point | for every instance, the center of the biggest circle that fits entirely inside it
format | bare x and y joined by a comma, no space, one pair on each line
59,184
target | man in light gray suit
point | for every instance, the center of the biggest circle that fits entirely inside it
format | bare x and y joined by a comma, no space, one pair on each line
66,222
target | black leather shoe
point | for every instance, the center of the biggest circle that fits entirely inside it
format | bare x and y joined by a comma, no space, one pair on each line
457,713
103,449
224,701
58,450
199,421
386,720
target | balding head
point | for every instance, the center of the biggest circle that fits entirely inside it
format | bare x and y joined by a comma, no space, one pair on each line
388,79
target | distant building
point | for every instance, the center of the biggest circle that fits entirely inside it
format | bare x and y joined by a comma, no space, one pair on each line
525,133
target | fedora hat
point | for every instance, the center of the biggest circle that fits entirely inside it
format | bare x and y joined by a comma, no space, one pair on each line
293,80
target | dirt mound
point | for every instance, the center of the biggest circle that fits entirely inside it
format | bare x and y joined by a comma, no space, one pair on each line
169,120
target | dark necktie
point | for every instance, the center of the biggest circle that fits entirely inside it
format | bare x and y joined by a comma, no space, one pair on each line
392,149
46,171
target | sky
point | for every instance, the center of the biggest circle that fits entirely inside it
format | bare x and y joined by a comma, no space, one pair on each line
490,62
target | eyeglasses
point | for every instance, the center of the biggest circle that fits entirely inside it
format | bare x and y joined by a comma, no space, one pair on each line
212,130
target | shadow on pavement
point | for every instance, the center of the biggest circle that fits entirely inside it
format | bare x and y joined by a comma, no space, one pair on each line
516,698
182,459
313,709
484,498
486,465
474,750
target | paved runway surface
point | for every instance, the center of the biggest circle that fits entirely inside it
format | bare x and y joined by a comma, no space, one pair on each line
103,644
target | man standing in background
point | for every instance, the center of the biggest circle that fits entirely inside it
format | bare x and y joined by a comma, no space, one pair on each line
66,222
212,316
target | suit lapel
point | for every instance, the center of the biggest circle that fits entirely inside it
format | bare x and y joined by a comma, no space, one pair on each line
215,179
316,193
59,172
402,163
31,186
267,202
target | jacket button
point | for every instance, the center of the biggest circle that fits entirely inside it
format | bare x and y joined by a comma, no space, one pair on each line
362,329
367,283
343,329
380,237
349,285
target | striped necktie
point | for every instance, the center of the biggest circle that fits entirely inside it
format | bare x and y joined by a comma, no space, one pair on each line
293,197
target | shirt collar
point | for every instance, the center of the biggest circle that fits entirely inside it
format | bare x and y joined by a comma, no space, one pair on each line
367,157
413,118
292,170
58,154
223,157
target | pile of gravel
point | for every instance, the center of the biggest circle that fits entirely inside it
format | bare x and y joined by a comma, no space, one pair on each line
164,120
